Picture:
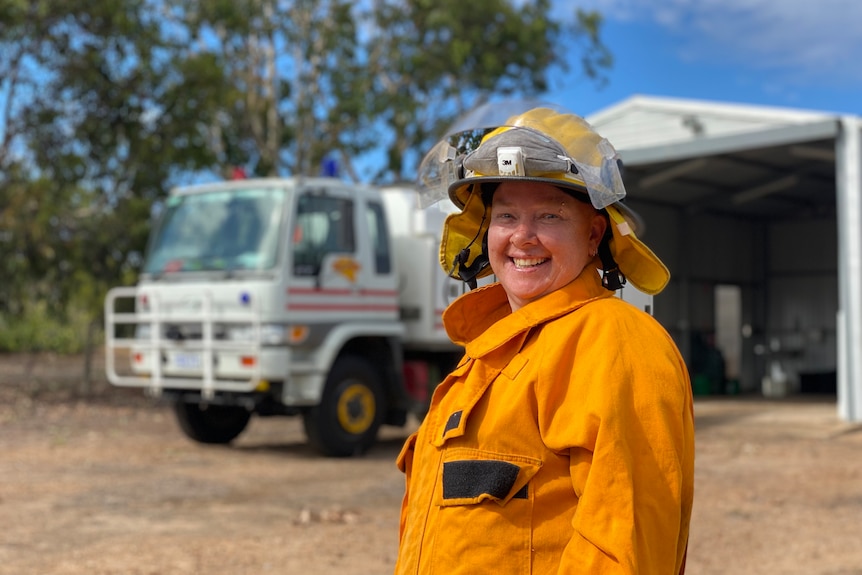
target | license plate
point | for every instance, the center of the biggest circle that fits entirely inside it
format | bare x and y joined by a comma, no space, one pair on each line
187,360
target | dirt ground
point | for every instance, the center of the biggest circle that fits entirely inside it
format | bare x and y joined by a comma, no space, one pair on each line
105,483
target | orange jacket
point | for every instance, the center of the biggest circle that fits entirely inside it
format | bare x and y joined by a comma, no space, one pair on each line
563,443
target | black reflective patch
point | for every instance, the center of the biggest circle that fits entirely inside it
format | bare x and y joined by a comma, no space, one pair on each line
521,494
453,421
472,478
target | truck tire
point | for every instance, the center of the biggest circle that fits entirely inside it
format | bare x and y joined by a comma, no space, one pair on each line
213,423
351,411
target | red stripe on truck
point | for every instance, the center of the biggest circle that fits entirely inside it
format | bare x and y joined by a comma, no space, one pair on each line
341,292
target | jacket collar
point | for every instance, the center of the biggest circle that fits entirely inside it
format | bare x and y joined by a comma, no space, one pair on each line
482,320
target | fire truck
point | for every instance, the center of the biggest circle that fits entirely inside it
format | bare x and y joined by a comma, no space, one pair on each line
308,297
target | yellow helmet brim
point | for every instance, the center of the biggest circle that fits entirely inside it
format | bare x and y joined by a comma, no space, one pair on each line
641,266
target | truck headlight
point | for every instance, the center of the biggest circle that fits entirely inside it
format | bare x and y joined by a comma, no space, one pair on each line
270,333
143,331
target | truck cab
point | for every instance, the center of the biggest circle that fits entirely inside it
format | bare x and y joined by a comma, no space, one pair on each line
271,297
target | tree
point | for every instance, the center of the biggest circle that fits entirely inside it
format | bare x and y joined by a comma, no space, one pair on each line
306,79
21,45
103,121
34,212
433,60
295,87
98,144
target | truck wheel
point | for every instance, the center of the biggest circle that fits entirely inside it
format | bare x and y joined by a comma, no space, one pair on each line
212,424
351,410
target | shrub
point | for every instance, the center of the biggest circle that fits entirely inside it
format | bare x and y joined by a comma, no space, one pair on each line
36,330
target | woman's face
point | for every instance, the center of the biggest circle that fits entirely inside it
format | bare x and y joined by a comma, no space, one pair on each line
539,239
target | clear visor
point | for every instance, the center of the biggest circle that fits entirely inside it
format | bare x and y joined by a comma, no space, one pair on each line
443,165
499,140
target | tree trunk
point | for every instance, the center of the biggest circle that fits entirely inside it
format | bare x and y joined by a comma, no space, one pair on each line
89,348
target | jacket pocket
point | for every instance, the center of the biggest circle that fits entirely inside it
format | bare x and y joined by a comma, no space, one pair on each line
484,513
471,476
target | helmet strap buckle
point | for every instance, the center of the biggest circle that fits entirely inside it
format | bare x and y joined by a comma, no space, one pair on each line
613,279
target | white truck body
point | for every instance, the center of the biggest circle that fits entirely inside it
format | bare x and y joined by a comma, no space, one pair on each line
310,297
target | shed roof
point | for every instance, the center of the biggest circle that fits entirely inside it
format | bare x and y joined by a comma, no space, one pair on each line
749,161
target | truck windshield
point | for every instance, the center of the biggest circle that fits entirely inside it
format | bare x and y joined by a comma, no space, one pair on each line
222,230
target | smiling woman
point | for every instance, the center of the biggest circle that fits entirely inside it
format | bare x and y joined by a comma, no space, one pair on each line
564,440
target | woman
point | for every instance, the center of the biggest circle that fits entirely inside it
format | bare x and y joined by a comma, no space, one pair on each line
564,440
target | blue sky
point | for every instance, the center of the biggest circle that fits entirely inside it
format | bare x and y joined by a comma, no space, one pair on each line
788,53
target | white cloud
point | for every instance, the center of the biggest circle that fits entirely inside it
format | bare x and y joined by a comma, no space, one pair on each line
811,39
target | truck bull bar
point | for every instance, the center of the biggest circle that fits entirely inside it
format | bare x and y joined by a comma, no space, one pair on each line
148,357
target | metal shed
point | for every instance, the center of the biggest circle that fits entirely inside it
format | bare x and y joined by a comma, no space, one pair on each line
757,211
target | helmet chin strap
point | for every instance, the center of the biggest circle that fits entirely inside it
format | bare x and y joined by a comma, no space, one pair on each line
612,278
469,273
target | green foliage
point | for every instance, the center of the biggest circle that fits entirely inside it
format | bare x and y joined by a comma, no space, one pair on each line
294,85
433,60
36,242
111,102
40,329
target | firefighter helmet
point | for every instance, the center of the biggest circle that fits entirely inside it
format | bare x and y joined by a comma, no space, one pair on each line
541,144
